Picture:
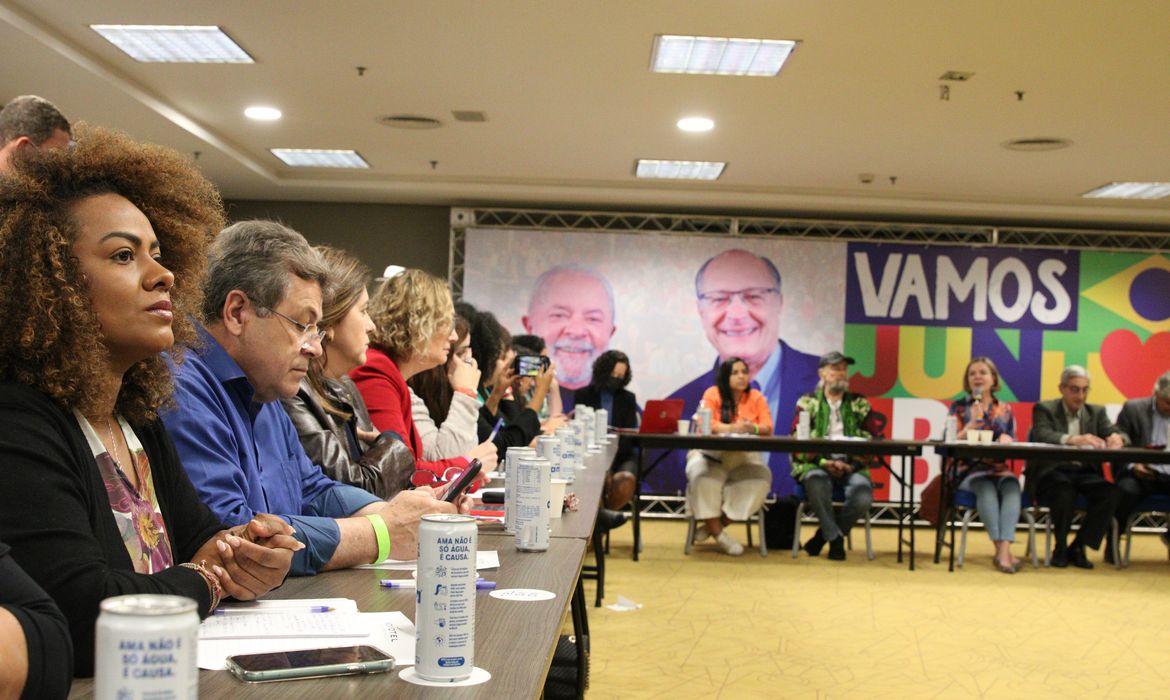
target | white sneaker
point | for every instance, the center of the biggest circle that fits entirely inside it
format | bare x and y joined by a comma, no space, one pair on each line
728,544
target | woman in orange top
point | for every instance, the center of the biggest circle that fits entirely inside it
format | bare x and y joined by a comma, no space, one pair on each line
726,486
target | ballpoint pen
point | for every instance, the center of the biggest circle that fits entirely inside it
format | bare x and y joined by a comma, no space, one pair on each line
480,584
274,610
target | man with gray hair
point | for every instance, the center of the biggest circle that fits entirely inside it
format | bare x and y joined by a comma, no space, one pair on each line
1145,422
31,121
1070,420
571,307
260,311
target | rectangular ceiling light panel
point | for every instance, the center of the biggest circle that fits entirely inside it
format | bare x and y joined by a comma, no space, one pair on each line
152,43
319,158
1130,190
679,169
705,55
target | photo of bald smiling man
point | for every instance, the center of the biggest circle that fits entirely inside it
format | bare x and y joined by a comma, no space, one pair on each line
739,298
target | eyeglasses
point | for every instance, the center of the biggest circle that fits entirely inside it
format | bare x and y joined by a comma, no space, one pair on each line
423,477
721,298
309,333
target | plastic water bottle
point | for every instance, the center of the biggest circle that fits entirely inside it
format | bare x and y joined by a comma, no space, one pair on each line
951,429
803,426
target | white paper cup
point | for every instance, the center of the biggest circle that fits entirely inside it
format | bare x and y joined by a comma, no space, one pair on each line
684,427
985,436
973,437
556,496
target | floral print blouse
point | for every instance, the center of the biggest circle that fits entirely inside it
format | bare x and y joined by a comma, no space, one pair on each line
135,510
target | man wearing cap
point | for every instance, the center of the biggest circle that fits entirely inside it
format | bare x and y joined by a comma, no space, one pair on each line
834,412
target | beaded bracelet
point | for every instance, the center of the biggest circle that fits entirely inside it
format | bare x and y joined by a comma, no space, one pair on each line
212,581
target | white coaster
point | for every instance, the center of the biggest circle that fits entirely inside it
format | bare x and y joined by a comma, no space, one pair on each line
478,675
522,594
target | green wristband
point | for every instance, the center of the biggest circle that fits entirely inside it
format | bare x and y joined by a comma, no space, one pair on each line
383,536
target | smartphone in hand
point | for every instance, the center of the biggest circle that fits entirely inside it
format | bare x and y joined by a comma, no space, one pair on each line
464,482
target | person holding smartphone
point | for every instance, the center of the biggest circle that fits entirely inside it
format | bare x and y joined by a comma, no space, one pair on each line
443,400
491,345
415,321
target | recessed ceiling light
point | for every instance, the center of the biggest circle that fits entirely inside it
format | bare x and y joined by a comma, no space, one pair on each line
1131,190
679,169
319,158
707,55
153,43
263,114
696,124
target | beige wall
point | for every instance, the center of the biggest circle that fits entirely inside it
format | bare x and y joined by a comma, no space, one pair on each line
379,234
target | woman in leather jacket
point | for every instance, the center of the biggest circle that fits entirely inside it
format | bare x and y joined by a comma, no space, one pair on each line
328,411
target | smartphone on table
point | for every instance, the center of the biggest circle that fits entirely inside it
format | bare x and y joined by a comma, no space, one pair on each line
530,365
309,663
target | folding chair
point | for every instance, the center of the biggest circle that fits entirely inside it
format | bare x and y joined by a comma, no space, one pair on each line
838,499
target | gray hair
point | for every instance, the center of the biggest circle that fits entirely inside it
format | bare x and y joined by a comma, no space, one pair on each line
257,258
1072,372
767,263
33,117
540,287
1162,386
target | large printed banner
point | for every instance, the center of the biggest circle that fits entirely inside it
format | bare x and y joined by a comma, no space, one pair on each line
912,316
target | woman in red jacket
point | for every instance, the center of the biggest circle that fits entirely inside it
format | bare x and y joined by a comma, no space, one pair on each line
415,319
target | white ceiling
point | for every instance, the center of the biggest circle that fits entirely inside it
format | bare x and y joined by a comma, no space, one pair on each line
571,103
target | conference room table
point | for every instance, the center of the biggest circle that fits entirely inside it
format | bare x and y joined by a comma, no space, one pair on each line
1027,451
904,450
514,641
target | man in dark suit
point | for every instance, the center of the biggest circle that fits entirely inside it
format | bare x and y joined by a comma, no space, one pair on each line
739,304
1069,420
1144,422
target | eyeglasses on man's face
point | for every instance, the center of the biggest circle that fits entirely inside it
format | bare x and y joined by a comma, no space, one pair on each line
309,334
721,298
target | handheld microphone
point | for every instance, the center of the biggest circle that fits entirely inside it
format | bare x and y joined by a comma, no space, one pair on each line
977,394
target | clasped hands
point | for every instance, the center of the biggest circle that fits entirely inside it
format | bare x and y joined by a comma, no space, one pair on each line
251,559
1113,442
837,467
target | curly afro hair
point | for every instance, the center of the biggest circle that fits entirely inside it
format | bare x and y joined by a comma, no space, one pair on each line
51,338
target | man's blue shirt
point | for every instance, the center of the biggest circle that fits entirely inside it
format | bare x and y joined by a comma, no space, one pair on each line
244,457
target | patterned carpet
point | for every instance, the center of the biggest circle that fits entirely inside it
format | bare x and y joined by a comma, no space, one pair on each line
713,626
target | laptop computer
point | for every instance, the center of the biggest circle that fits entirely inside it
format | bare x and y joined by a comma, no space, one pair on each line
661,416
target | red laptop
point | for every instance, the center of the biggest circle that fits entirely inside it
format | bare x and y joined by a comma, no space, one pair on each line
661,416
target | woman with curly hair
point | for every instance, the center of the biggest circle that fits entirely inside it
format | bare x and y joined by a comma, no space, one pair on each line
414,316
330,416
102,254
443,400
607,389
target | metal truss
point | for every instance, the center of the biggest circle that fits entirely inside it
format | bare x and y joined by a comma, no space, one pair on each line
456,260
824,229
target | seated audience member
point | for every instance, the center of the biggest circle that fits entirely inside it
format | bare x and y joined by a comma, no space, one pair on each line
726,486
553,406
38,657
102,247
524,389
491,345
834,412
328,412
33,122
260,311
415,328
996,488
443,400
1070,420
1144,423
607,389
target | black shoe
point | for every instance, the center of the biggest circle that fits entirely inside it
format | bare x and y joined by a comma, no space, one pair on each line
609,519
1060,558
1109,554
1076,557
815,545
837,549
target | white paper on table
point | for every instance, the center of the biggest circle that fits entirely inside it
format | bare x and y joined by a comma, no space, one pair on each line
392,632
283,618
483,560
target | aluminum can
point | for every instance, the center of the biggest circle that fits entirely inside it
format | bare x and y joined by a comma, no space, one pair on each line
570,449
146,648
549,447
950,429
601,424
511,457
533,507
444,597
803,426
